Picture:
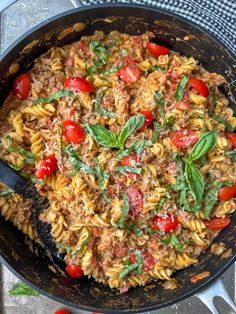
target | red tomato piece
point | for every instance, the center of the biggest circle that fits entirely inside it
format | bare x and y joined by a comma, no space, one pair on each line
130,161
227,192
147,259
199,86
184,138
46,167
148,119
129,74
75,271
217,223
62,311
232,138
73,132
135,200
167,223
78,84
21,86
157,50
127,61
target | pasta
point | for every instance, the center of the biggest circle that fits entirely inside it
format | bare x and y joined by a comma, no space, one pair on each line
134,150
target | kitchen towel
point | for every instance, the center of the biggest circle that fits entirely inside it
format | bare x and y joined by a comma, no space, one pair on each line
216,16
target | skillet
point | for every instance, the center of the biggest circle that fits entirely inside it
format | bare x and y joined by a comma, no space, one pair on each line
175,33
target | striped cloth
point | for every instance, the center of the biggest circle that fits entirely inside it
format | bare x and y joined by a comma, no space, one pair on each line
216,16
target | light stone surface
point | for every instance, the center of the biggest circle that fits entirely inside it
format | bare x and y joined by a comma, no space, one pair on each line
17,19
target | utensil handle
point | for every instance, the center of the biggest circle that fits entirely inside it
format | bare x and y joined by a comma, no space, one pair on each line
217,289
77,3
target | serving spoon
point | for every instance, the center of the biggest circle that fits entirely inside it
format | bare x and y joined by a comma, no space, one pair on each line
27,190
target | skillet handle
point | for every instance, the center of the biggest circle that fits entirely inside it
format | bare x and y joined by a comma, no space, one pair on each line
5,4
217,289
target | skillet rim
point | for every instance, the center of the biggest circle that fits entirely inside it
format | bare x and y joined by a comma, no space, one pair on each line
201,284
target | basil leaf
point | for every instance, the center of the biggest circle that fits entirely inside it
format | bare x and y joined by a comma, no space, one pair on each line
134,123
138,147
70,151
131,266
231,152
179,93
132,228
22,151
125,169
79,165
170,122
102,136
119,66
94,44
196,184
157,131
23,289
212,197
93,69
55,96
102,54
221,120
64,247
160,204
152,69
138,254
101,110
125,210
203,145
38,181
111,44
6,193
84,243
212,91
102,176
127,269
160,102
176,244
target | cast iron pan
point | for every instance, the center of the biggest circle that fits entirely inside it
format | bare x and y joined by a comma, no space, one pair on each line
85,293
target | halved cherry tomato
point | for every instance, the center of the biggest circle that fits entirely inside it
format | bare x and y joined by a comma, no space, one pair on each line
46,167
184,138
147,259
135,200
129,73
217,223
232,138
130,161
73,132
199,86
21,86
75,271
148,119
78,84
227,192
62,311
167,223
157,50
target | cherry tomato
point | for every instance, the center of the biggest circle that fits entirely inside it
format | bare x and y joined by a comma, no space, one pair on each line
232,138
73,132
167,223
129,73
199,86
217,223
157,50
227,192
135,200
21,86
46,167
130,161
148,119
78,84
62,311
184,138
147,259
75,271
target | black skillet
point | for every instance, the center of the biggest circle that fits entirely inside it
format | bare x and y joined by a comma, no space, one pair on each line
133,19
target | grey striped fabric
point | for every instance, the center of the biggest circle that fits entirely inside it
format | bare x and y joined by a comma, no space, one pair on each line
216,16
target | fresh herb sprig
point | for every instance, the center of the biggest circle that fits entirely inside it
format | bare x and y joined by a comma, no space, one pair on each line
161,104
179,93
128,267
55,96
6,193
99,109
172,240
23,289
116,67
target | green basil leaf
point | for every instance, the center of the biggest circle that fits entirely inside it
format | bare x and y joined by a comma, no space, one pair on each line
84,243
152,69
176,244
124,210
125,169
111,44
102,176
221,120
119,66
102,136
93,69
138,254
196,184
212,91
179,93
6,193
64,247
94,45
22,151
38,181
55,96
157,131
127,269
160,103
165,241
212,197
134,123
231,152
70,151
170,123
203,145
99,109
23,289
137,147
160,204
79,165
